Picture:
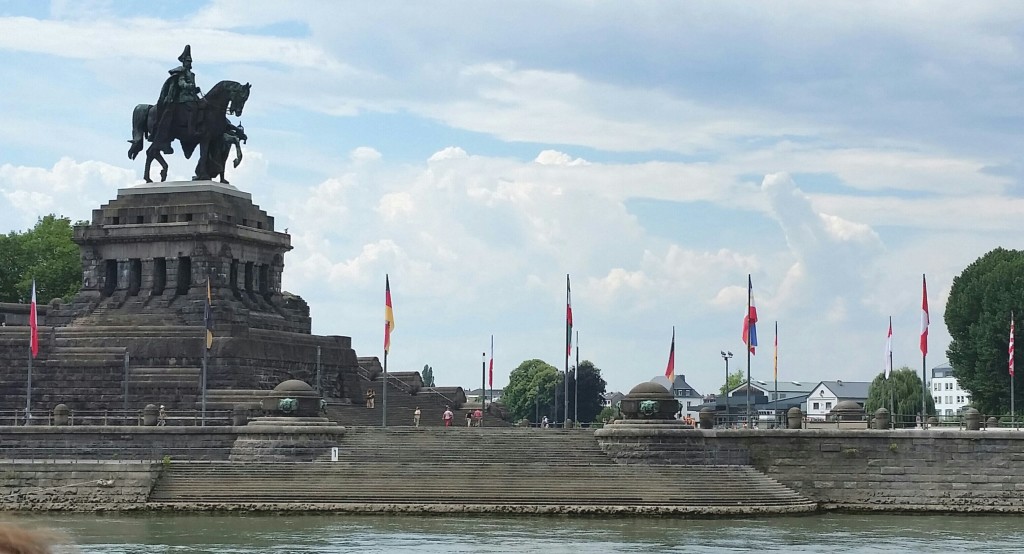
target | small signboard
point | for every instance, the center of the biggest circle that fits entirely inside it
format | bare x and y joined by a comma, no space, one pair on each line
334,453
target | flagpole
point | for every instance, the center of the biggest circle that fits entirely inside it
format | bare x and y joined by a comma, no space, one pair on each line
28,392
888,375
924,350
576,384
206,354
776,399
568,350
389,325
33,350
749,292
1013,419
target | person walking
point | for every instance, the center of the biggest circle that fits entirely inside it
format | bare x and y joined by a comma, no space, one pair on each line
161,418
370,398
469,418
416,417
448,416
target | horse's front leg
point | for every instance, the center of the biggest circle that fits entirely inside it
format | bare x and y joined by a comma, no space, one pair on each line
201,172
163,167
151,153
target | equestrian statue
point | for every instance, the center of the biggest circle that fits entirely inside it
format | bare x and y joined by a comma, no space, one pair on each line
181,113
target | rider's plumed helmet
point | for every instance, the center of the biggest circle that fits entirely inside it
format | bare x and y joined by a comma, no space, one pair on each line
186,53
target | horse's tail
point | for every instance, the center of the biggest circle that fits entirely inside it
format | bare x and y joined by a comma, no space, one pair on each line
140,129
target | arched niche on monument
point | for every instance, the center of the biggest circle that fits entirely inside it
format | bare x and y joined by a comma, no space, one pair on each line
109,277
159,276
184,275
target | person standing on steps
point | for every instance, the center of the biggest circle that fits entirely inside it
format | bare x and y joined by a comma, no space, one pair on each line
370,398
416,417
448,416
161,418
469,418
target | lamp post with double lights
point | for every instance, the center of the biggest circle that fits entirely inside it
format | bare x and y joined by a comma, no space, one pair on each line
726,356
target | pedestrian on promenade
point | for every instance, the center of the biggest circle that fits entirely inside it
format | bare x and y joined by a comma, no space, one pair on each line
161,417
478,416
544,423
416,417
469,418
448,416
370,397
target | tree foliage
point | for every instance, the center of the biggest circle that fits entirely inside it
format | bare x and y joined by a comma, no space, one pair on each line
532,385
589,394
427,376
733,380
44,253
978,319
538,386
905,389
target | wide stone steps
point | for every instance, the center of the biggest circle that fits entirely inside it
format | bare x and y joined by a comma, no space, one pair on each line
469,483
165,376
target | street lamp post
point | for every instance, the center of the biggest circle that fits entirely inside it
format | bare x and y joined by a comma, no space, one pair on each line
726,356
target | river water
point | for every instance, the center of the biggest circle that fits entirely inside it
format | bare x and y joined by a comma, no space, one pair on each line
245,534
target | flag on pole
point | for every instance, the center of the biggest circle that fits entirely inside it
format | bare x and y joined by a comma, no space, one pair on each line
389,315
888,351
490,369
924,316
1011,344
568,318
776,350
670,370
208,316
750,320
33,324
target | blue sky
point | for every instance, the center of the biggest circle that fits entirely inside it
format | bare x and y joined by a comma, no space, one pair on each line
477,152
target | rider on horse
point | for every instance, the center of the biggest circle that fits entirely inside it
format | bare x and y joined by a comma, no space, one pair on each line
178,95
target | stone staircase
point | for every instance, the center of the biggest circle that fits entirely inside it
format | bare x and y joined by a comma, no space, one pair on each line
138,310
460,466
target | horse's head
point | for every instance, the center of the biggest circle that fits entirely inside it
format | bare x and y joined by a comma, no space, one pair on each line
237,98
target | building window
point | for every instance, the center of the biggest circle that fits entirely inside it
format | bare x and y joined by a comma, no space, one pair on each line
815,406
828,405
936,386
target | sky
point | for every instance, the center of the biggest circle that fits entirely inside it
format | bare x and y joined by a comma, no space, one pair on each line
658,153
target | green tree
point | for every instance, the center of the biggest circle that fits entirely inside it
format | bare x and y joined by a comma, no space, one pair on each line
427,376
45,253
733,380
589,394
978,318
608,413
531,385
902,387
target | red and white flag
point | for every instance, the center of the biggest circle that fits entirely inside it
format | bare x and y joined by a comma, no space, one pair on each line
33,324
924,316
670,369
1011,344
888,351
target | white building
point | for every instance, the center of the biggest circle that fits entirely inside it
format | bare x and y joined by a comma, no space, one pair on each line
827,394
949,398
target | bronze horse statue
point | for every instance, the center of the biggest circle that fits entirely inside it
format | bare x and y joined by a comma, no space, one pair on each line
206,132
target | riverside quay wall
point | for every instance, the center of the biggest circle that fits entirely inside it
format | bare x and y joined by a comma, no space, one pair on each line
939,471
914,470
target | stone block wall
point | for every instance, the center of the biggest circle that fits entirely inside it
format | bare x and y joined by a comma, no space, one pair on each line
914,470
86,486
110,443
